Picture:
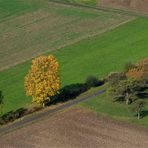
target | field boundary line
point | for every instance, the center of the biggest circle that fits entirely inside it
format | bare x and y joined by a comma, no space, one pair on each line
35,117
103,8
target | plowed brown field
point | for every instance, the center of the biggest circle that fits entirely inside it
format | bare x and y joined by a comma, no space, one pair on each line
77,128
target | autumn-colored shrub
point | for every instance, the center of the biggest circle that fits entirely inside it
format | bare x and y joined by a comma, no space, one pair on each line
140,71
43,81
129,66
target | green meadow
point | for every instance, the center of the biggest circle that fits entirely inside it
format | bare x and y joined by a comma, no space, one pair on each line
97,55
105,106
10,8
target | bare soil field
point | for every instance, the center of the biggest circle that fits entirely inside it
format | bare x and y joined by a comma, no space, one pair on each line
77,128
136,5
52,27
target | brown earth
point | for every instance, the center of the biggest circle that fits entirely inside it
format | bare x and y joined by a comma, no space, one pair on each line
136,5
77,128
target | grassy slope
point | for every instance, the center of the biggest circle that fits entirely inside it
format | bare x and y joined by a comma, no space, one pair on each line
105,106
98,55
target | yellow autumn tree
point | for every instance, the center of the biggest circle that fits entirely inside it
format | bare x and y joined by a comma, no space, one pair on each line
43,79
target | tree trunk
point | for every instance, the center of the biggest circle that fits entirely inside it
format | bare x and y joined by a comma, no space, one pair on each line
138,115
127,99
43,105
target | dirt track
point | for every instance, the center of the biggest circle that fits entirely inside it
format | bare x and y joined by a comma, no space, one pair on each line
78,129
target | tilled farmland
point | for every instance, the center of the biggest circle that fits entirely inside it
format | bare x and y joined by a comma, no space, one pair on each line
77,128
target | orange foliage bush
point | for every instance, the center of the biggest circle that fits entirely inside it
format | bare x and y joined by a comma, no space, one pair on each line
140,71
43,79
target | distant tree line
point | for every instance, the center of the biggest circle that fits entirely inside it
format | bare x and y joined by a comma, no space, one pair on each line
131,85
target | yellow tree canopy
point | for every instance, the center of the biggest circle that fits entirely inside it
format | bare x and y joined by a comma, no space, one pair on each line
43,79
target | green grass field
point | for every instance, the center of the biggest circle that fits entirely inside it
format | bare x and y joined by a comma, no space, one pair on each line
38,26
98,55
104,105
9,8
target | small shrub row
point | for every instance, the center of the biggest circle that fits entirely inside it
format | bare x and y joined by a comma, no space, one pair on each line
13,115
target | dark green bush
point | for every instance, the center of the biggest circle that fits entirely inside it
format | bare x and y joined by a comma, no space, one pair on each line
92,81
12,115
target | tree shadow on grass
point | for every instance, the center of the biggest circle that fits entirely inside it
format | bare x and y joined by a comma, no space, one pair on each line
72,91
68,92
